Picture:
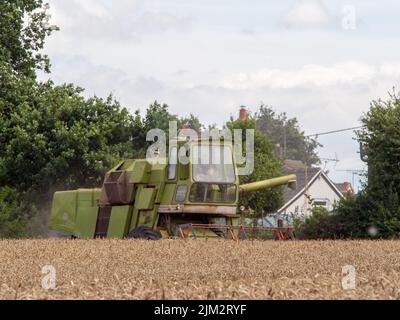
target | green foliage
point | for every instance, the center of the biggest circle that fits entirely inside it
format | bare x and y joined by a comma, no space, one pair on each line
57,138
193,121
24,25
157,117
371,211
14,214
381,136
266,166
285,132
378,206
319,225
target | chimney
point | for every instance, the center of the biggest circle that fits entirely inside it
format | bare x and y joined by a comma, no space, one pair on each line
243,113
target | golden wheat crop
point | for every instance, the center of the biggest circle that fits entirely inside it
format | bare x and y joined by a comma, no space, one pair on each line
198,269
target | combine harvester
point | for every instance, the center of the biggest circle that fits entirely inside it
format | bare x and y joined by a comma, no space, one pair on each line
147,199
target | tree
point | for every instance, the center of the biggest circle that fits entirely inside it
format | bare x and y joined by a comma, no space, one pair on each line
193,121
381,135
15,212
157,117
266,166
23,29
57,138
24,25
286,134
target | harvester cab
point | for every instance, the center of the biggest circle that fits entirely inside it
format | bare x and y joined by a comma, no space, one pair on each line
150,198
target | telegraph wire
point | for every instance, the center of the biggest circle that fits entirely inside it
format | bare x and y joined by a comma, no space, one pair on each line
333,131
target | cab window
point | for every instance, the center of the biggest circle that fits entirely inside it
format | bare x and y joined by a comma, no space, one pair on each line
172,163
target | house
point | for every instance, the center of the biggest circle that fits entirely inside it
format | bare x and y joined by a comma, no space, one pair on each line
314,188
312,185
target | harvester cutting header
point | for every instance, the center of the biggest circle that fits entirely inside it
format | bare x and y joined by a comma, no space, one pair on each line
148,198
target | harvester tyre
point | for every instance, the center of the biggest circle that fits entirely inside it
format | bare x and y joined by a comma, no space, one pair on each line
144,233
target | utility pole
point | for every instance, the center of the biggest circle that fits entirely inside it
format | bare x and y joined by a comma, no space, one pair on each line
305,188
284,140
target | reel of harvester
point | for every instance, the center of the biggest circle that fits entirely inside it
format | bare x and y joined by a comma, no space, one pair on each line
185,231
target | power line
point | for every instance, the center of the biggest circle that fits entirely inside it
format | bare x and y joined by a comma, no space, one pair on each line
351,170
333,131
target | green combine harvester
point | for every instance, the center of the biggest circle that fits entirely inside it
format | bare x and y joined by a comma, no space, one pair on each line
147,199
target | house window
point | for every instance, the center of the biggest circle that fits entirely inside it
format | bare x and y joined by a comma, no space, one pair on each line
321,203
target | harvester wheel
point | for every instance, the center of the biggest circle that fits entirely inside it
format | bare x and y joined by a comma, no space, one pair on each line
144,233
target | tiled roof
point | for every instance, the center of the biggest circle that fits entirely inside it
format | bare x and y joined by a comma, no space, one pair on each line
345,187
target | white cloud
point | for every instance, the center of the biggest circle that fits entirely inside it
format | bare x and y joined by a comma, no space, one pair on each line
350,73
390,69
308,13
102,19
158,22
94,8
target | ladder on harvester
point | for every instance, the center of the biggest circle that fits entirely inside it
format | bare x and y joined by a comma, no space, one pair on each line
184,231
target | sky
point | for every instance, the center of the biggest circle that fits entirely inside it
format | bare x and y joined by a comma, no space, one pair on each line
322,62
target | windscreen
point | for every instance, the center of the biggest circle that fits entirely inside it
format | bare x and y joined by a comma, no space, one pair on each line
213,163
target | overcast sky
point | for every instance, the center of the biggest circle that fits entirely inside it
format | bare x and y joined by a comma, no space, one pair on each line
320,61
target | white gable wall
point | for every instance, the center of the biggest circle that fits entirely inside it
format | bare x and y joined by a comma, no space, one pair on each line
319,190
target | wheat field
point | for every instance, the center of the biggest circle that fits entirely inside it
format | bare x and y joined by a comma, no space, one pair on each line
198,269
